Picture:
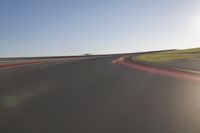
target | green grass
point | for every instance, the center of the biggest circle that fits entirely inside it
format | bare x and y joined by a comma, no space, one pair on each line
161,57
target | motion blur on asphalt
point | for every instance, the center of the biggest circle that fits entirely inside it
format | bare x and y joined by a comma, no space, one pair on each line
114,66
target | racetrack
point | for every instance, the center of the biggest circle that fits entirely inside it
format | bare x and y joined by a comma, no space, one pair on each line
94,95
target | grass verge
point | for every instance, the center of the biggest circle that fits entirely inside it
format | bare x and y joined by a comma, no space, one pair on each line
161,57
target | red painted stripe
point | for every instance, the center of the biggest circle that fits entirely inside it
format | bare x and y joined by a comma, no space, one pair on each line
19,64
30,62
172,73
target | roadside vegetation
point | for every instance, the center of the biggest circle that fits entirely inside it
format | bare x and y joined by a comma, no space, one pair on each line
160,57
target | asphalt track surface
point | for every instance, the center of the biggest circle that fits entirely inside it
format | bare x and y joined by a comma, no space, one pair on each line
95,96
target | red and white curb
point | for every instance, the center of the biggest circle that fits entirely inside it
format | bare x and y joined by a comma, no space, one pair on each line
172,73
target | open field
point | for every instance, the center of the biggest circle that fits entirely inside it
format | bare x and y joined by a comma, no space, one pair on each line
168,56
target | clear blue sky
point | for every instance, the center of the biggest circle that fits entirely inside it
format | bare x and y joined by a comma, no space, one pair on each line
70,27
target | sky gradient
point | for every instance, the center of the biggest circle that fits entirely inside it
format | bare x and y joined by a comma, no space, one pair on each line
74,27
